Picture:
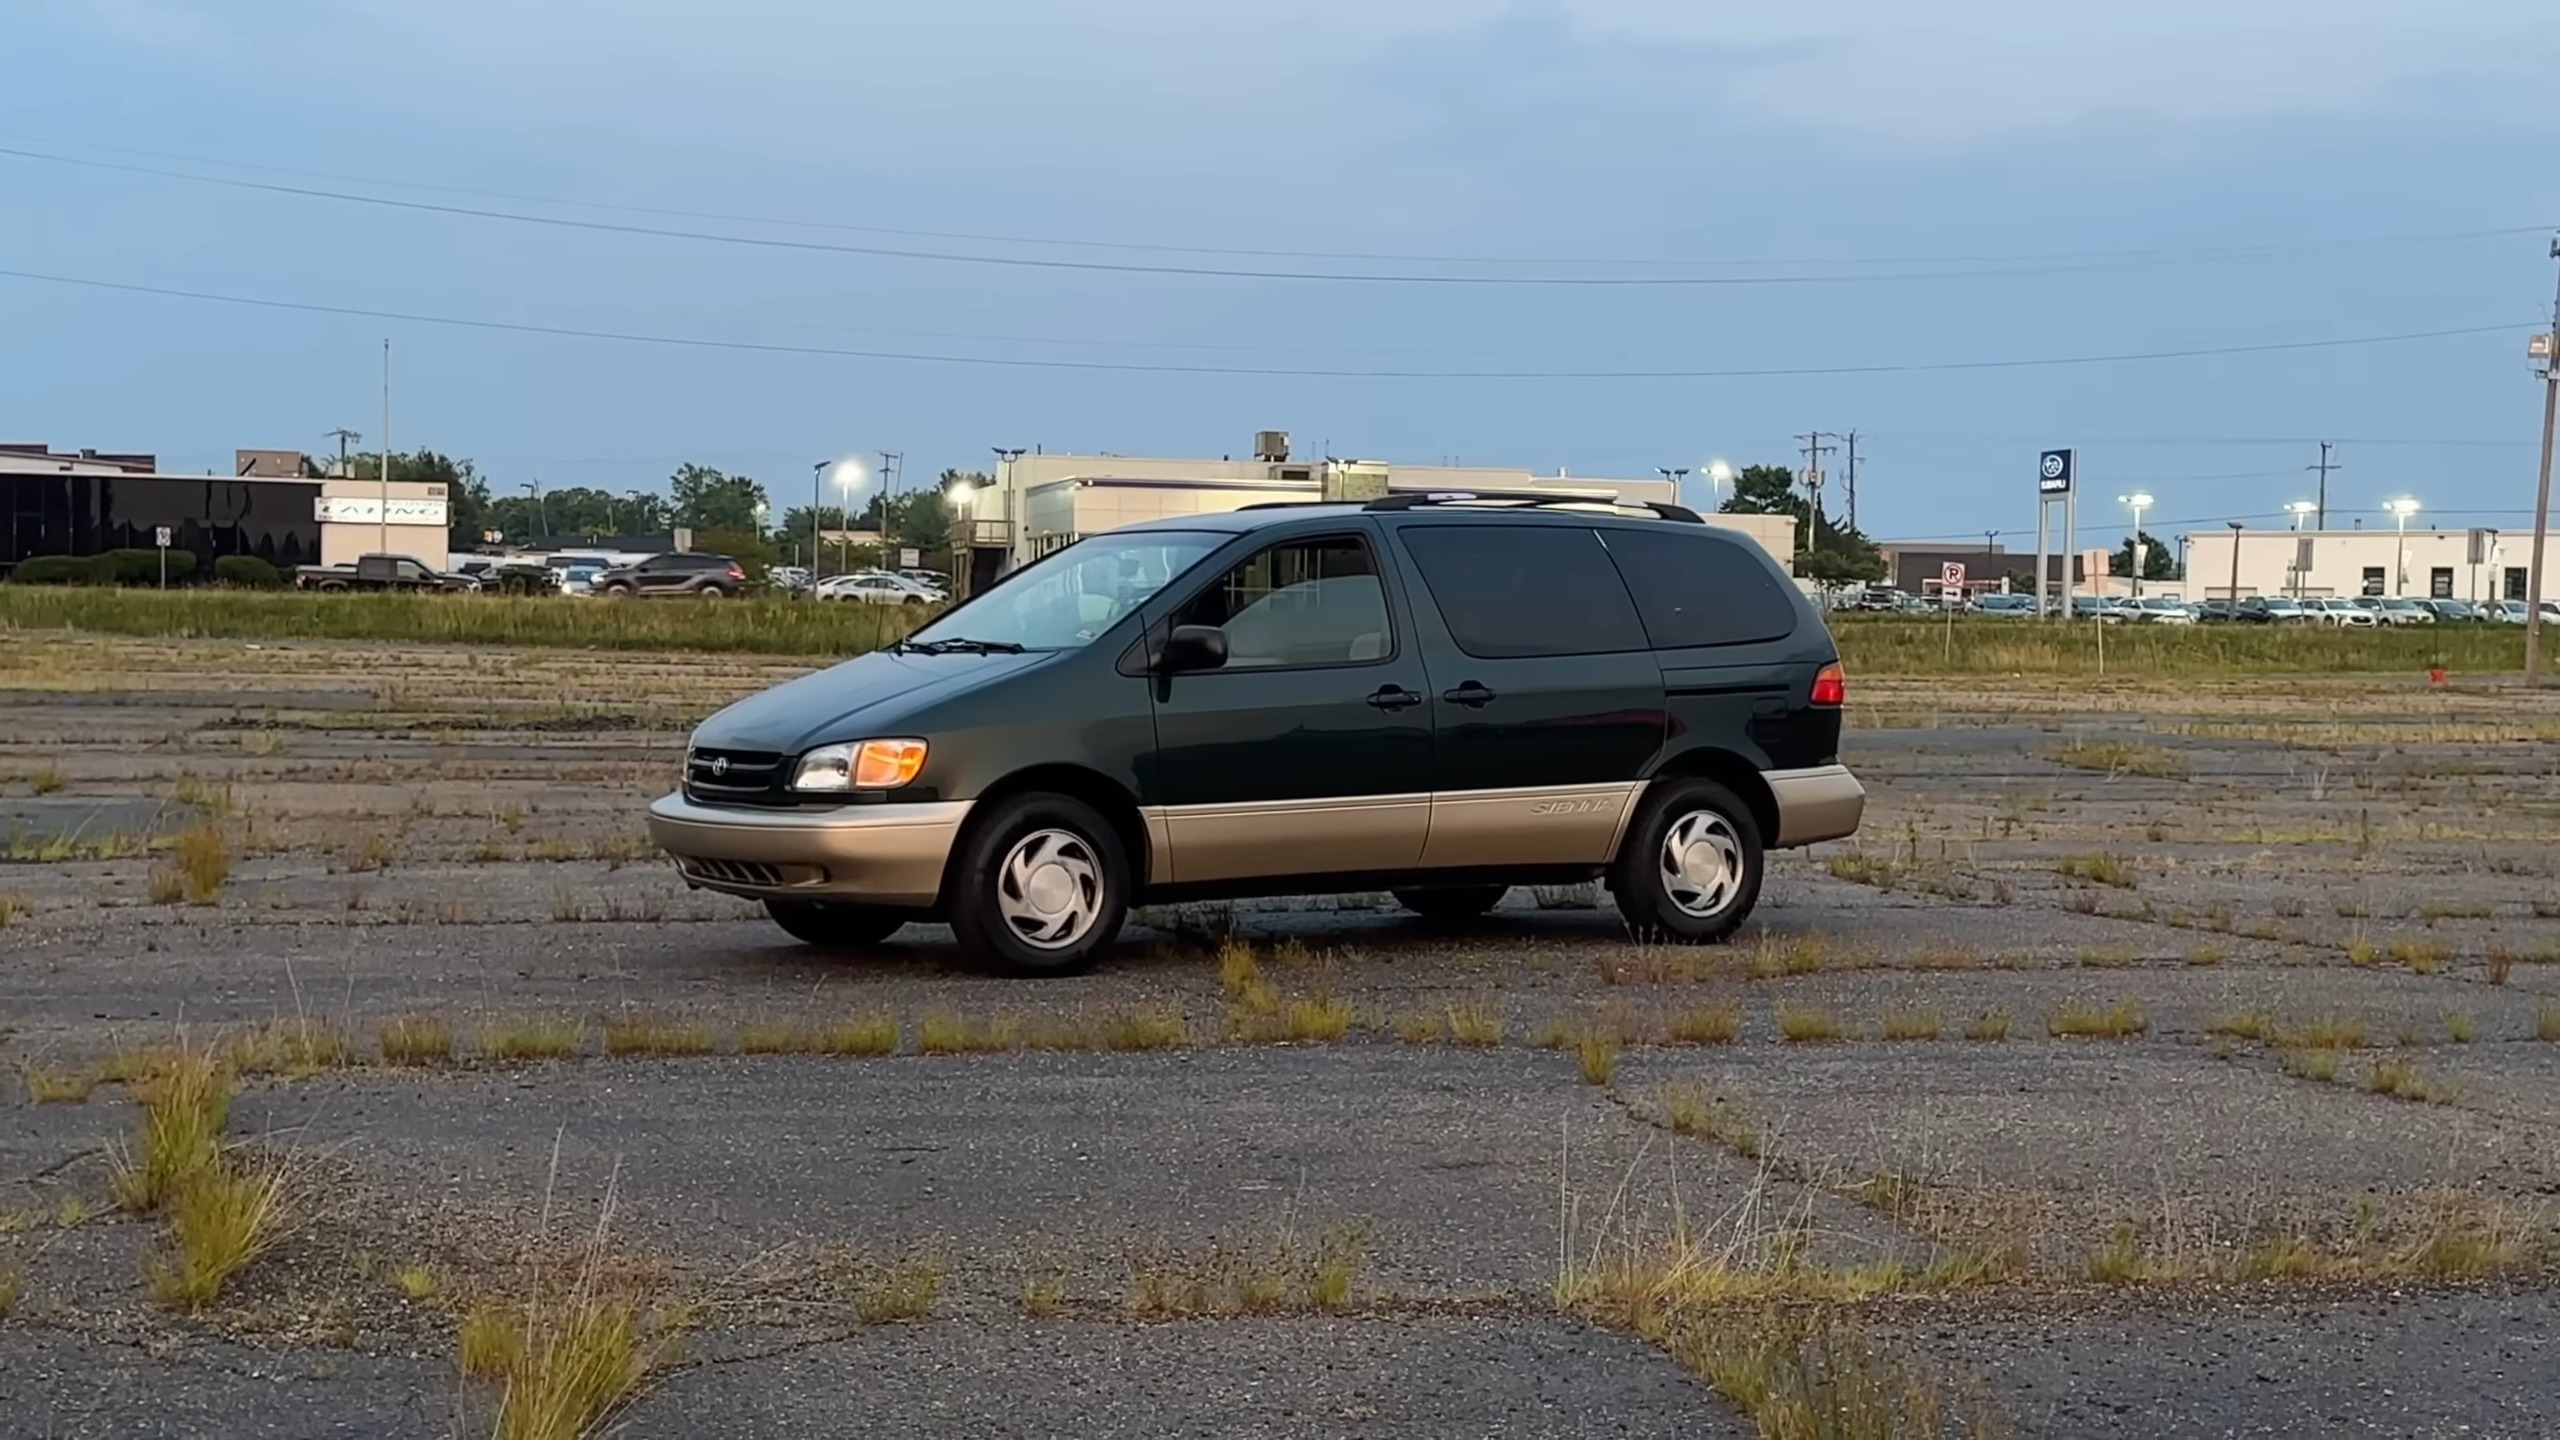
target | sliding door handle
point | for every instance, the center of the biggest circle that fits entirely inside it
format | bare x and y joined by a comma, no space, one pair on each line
1471,694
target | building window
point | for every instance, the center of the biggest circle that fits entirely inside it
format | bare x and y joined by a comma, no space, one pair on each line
2514,586
2373,580
2440,583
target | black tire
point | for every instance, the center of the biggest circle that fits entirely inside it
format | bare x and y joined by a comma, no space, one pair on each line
615,592
713,592
832,926
915,600
998,913
1719,898
1452,902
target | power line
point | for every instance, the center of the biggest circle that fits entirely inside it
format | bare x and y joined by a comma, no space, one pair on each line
2271,250
767,242
1129,367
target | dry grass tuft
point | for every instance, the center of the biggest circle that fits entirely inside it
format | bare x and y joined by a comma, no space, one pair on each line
2243,1025
1422,1027
185,1102
219,1220
199,866
2207,955
1718,1024
1158,1028
2325,1032
1913,1025
1808,1025
1598,1053
2426,957
1989,1025
415,1040
301,1046
1319,1018
899,1291
1476,1024
2546,1021
2107,957
533,1040
2401,1080
417,1282
57,1087
2459,1027
2319,1065
2100,868
638,1035
2120,757
2119,1021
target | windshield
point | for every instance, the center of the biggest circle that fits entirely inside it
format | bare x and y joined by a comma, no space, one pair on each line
1066,599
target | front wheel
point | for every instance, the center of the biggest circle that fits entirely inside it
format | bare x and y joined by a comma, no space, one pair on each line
1690,869
1041,888
832,926
1452,902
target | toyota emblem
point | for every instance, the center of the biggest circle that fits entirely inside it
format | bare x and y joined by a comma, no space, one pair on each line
719,765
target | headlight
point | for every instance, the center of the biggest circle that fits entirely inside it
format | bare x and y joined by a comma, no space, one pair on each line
860,765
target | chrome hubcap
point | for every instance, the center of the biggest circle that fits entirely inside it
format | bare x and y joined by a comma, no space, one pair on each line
1049,889
1701,864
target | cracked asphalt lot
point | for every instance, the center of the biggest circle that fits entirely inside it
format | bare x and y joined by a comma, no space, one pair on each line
2327,963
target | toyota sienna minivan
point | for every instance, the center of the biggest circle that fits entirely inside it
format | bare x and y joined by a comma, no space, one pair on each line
1441,696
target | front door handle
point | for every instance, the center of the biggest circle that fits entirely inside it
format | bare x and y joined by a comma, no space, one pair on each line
1471,694
1394,697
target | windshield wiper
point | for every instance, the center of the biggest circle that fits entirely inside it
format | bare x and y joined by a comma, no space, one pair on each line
959,645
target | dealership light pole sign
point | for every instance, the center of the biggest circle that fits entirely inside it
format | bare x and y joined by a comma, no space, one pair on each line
2057,474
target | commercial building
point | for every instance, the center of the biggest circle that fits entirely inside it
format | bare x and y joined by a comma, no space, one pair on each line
1042,501
2476,565
87,503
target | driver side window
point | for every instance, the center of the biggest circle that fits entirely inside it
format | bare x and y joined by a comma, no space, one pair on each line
1308,602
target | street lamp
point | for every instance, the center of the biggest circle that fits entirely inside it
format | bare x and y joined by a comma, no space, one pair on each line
1720,473
848,480
817,502
2139,502
2299,510
2401,509
542,521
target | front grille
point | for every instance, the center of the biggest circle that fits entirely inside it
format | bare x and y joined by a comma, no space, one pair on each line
733,872
737,777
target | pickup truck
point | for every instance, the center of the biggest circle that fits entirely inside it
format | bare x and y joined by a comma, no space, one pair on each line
379,572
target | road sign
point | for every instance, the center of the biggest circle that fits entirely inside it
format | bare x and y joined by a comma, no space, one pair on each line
909,559
2053,472
162,537
1951,574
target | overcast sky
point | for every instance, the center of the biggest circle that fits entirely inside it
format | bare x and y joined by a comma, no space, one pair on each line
1866,184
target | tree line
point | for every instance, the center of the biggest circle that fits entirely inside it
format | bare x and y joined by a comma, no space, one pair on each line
727,513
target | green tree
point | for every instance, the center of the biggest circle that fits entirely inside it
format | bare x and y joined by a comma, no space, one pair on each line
706,500
2159,562
1827,552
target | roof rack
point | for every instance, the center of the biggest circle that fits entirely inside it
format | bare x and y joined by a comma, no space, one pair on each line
1417,499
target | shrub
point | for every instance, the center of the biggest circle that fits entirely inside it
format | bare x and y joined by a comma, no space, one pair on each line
55,570
141,567
247,572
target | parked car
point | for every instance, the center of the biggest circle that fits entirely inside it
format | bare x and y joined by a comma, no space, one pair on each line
380,572
933,580
2395,610
2279,610
1436,696
2161,610
874,589
2340,610
2104,608
2007,606
579,579
2455,610
711,577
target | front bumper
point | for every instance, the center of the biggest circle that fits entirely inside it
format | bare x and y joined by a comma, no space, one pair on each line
890,855
1823,803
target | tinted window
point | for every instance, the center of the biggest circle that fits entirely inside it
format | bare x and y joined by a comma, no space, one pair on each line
1524,590
1310,602
1693,589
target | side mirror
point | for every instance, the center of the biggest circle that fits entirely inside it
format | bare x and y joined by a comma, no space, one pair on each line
1192,647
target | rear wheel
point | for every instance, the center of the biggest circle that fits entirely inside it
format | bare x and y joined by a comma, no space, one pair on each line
1452,902
714,592
1690,868
615,592
1042,886
832,926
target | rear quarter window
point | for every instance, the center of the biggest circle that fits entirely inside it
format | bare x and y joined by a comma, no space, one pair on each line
1694,590
1511,591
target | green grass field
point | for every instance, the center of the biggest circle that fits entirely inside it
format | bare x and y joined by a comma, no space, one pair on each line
1878,645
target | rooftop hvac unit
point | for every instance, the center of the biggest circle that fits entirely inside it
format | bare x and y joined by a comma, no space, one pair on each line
1271,445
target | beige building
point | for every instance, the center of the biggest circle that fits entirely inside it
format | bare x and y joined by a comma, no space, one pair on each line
1040,502
2438,564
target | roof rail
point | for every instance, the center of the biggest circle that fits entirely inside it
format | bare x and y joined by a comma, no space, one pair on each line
1416,499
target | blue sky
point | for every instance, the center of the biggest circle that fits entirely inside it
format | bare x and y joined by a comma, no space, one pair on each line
2218,175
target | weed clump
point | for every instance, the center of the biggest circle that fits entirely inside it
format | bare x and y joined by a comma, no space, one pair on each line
2100,868
2119,1021
1806,1025
1704,1025
415,1040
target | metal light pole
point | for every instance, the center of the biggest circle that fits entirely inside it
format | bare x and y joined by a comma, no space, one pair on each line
383,545
2546,349
2139,501
2401,509
2235,567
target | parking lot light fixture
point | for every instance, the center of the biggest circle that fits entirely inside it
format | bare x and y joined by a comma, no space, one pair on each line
2300,510
2138,502
2401,509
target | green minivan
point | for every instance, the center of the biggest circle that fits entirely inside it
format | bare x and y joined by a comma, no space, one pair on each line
1441,696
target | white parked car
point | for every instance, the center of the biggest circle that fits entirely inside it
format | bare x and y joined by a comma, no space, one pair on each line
2162,610
2339,610
875,590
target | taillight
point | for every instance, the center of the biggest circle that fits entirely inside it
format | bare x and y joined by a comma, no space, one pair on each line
737,574
1831,685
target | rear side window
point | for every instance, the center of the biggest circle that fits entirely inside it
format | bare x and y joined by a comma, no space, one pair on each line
1517,591
1696,590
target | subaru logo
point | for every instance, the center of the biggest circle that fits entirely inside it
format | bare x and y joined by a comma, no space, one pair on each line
719,765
